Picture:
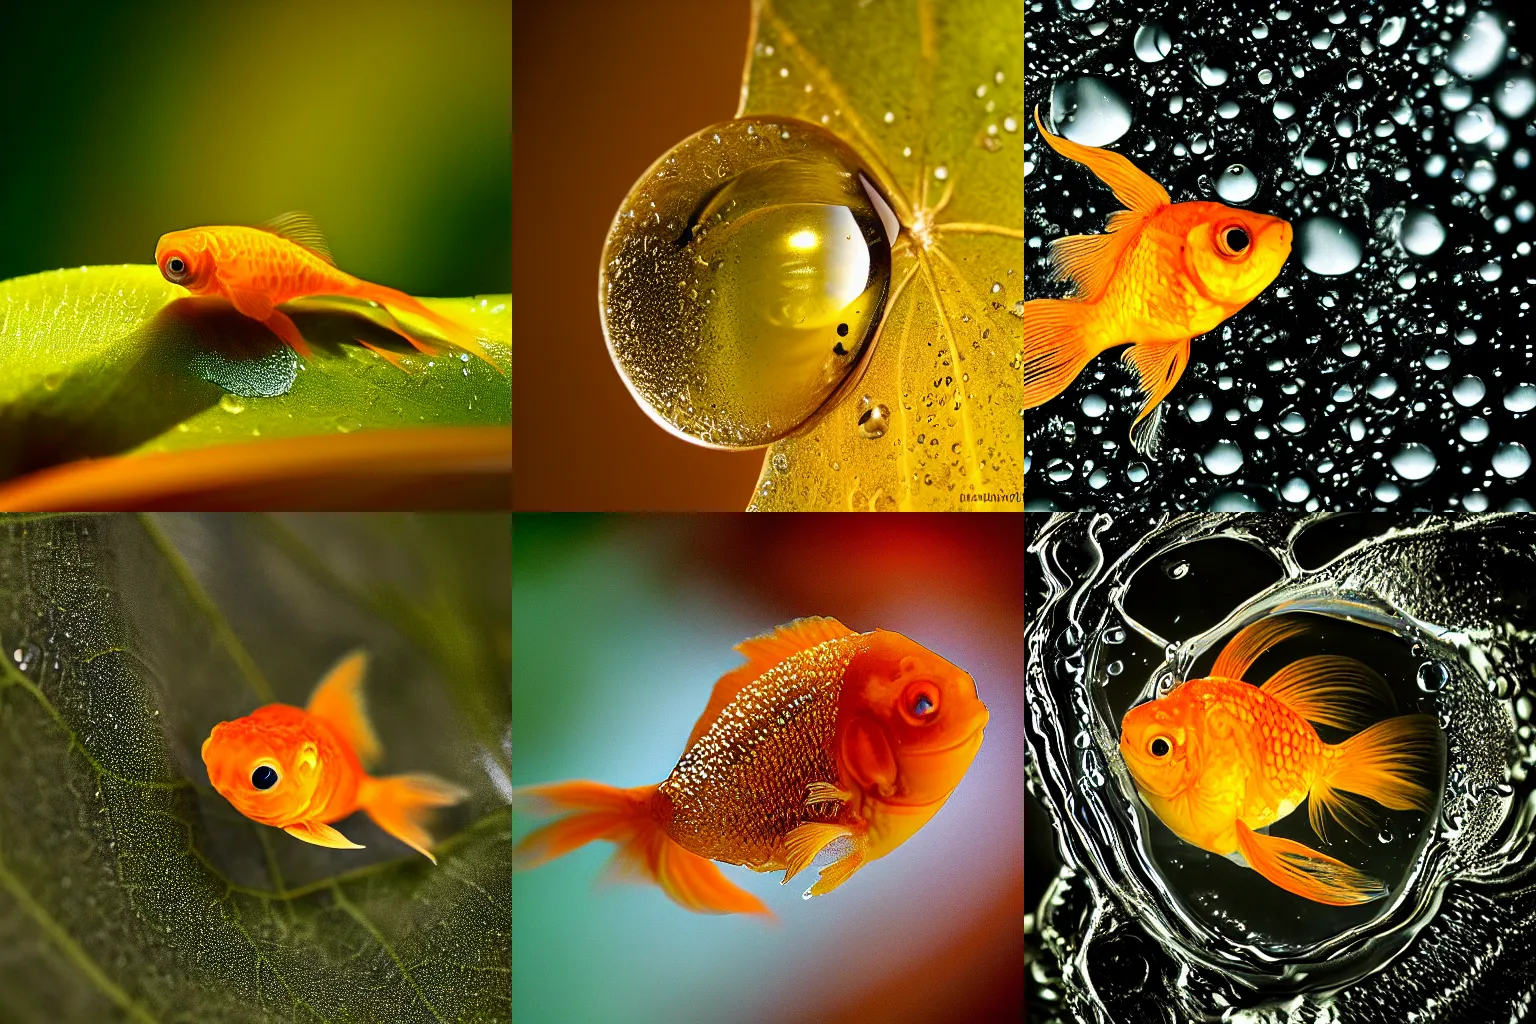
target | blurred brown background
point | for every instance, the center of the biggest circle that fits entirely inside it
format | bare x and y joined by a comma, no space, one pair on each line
601,88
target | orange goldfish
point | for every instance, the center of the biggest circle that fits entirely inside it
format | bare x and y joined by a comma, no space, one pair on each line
1162,275
259,268
826,739
299,769
1218,759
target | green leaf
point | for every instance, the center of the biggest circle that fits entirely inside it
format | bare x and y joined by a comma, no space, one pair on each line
115,360
931,94
129,890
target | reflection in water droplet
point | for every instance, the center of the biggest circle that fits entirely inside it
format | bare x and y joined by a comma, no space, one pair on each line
1413,462
1327,246
1224,458
1089,111
1420,232
1511,460
1237,184
1152,43
1480,47
743,279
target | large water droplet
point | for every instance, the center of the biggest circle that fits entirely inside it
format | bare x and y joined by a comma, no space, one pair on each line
1511,460
1420,232
1515,96
1468,391
1152,43
1088,110
1327,246
1474,124
1224,458
1413,462
743,278
1391,30
1520,398
1480,48
1237,184
1481,177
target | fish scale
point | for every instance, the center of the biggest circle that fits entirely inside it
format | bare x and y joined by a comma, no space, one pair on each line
740,788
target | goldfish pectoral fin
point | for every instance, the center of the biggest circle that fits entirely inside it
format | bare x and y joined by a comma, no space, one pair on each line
1305,872
279,324
1131,185
1251,641
836,873
1329,689
763,653
321,834
826,793
804,842
338,702
1056,347
1159,366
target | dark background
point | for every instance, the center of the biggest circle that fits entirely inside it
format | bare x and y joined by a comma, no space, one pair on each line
387,120
603,88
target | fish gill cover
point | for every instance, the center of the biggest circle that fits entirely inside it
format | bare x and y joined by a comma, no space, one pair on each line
129,890
1389,364
1139,926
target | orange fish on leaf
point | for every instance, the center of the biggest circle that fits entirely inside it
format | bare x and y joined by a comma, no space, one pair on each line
1163,274
1218,759
300,769
259,268
826,740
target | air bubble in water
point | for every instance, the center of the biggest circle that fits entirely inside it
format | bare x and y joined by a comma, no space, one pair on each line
1511,460
1413,461
1152,43
1515,96
1474,429
1391,31
1481,177
1237,184
1480,47
1224,458
1420,232
1327,246
1468,391
1089,111
1474,124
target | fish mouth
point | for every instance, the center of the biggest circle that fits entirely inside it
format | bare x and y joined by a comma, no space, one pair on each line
974,735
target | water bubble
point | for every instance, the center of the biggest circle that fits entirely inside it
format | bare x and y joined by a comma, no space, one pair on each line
1481,177
1224,458
743,279
1316,158
1474,429
1420,232
1387,492
1480,48
1432,676
1152,43
1456,96
1327,246
1515,96
1212,75
1199,409
1237,184
1468,391
1474,124
1094,406
1413,461
1383,386
1520,398
874,419
1491,271
232,403
1089,111
1296,490
1511,460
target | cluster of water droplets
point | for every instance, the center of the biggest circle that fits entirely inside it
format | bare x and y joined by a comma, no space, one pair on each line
1140,926
1390,363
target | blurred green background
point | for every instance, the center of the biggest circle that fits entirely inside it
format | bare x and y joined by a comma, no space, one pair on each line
621,627
388,120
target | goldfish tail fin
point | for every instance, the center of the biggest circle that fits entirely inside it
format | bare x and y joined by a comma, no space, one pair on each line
646,853
1159,366
400,805
1056,347
1305,872
455,332
338,702
1379,764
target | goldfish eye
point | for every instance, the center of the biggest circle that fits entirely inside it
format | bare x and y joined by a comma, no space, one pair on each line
176,268
264,777
920,702
1234,241
1159,746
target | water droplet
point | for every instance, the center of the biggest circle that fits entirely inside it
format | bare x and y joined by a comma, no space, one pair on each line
1432,676
1296,490
1511,460
1223,459
1420,232
1385,835
1474,429
1327,246
1089,111
1383,387
232,403
1212,75
1237,184
1316,158
1481,177
1515,96
1413,461
1474,124
1480,47
1520,398
780,462
1094,406
1468,391
1152,43
743,279
874,419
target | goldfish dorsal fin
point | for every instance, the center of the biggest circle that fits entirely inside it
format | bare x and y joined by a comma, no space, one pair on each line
1329,689
1159,365
763,653
300,229
1251,641
338,702
1132,186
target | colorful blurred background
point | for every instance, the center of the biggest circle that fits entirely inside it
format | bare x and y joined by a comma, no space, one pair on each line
621,625
603,88
388,120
